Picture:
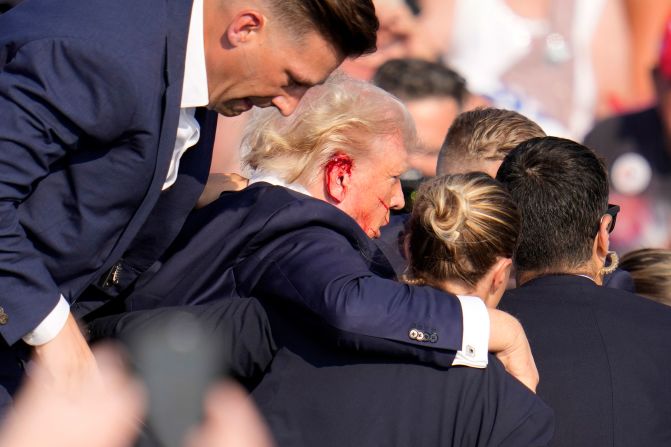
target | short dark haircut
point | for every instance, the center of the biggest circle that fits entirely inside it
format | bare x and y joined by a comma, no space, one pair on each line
485,134
349,25
413,79
561,190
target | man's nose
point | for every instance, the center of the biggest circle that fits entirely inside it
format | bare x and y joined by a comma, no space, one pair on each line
287,103
397,199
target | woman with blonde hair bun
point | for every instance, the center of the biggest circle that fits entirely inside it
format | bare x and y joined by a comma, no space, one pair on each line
462,235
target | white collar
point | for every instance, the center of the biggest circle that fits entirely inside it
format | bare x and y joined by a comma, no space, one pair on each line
274,180
194,89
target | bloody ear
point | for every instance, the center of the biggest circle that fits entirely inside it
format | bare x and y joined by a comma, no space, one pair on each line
337,173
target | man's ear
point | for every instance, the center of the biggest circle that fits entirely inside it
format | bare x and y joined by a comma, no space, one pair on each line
245,26
602,239
337,177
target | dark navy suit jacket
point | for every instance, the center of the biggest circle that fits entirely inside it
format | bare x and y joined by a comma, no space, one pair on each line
316,395
89,102
603,358
281,246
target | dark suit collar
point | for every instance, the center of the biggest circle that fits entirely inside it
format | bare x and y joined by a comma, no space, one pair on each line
559,279
179,15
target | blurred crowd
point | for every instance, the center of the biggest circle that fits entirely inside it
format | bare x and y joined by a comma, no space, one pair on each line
515,154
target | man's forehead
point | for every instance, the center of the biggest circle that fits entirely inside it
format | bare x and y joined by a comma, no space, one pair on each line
388,155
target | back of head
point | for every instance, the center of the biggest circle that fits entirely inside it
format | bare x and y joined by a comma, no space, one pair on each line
350,25
561,189
341,117
651,271
460,224
413,79
484,134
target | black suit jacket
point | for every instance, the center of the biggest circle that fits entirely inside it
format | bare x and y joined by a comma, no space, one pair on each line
89,97
282,246
604,360
315,395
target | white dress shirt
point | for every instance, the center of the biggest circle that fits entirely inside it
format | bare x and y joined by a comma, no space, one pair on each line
194,94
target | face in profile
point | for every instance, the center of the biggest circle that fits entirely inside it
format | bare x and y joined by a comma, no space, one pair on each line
432,117
269,68
376,187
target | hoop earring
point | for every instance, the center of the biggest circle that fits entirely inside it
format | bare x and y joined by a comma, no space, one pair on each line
613,260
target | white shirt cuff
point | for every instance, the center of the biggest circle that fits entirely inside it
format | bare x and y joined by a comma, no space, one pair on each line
475,341
49,328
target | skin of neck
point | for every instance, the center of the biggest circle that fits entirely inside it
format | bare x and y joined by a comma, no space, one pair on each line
489,288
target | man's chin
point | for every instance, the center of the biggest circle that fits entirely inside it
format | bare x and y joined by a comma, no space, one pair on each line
236,108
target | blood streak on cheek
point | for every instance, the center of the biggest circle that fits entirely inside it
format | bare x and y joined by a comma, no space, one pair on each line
386,207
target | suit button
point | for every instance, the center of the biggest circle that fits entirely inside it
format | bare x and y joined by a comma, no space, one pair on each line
421,336
413,334
433,338
4,318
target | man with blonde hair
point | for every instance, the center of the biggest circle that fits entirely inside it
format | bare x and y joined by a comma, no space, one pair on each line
478,140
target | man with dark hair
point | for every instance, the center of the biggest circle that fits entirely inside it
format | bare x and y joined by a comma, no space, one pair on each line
478,140
434,95
602,352
100,102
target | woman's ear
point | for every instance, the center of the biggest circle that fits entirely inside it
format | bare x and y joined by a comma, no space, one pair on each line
499,274
337,177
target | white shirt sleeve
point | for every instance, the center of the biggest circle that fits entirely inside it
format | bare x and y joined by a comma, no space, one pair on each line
49,328
475,342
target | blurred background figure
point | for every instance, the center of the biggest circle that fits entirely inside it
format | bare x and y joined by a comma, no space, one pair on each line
646,19
558,62
637,148
651,270
396,38
434,95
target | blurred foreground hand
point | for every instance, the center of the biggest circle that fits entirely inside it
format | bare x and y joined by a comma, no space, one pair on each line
231,420
102,411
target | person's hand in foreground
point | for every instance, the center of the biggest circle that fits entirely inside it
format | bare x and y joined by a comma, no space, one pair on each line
66,360
231,420
509,342
103,410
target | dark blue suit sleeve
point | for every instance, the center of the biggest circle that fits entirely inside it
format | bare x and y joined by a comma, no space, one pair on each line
53,94
319,270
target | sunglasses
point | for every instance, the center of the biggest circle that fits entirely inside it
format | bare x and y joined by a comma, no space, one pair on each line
612,212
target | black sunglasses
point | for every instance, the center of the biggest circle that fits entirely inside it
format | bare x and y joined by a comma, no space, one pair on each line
612,212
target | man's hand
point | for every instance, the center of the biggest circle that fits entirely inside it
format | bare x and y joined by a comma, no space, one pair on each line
102,412
67,359
509,342
218,183
231,420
